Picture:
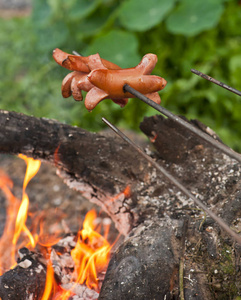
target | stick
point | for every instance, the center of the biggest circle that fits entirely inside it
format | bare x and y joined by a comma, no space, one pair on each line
184,123
221,223
223,85
181,264
179,120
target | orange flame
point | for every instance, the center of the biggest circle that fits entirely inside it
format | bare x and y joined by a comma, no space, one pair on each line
13,203
90,255
17,213
91,252
20,226
50,282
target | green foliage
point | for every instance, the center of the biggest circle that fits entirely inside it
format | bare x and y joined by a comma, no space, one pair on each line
192,17
146,13
186,34
108,45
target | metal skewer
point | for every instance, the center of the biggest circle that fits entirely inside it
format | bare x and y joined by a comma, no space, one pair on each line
198,132
195,130
164,111
223,85
217,219
76,53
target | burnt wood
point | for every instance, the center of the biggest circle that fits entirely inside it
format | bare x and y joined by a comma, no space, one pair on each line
99,166
173,141
26,280
146,265
151,212
144,260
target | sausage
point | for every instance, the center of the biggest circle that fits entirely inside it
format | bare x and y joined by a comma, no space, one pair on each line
112,82
103,79
86,64
70,85
66,85
78,63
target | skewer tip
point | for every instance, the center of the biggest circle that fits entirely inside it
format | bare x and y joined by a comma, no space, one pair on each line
195,71
76,53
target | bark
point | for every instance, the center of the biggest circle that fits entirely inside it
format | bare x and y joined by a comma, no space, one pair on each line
141,263
151,212
26,280
98,166
146,265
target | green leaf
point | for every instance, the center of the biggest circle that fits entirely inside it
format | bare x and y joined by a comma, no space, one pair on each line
193,16
141,15
90,26
82,8
41,12
93,24
235,77
51,36
118,46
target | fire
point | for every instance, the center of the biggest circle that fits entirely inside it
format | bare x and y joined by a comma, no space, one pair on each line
50,282
91,250
90,255
32,169
7,261
17,213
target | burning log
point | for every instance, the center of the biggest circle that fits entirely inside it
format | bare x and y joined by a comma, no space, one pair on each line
68,268
74,260
98,166
26,280
145,207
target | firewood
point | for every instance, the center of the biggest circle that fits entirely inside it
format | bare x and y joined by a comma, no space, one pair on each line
103,167
26,280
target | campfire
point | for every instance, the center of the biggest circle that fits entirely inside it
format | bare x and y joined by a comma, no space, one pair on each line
74,264
177,207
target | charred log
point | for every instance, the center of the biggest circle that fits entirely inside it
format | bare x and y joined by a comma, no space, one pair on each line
26,280
146,265
102,168
173,142
98,166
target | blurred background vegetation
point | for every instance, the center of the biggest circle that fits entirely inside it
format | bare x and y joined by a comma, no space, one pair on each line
203,35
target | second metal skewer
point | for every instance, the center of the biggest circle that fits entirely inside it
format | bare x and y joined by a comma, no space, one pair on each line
217,219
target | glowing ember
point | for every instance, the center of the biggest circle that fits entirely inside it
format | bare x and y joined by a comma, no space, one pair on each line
88,251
